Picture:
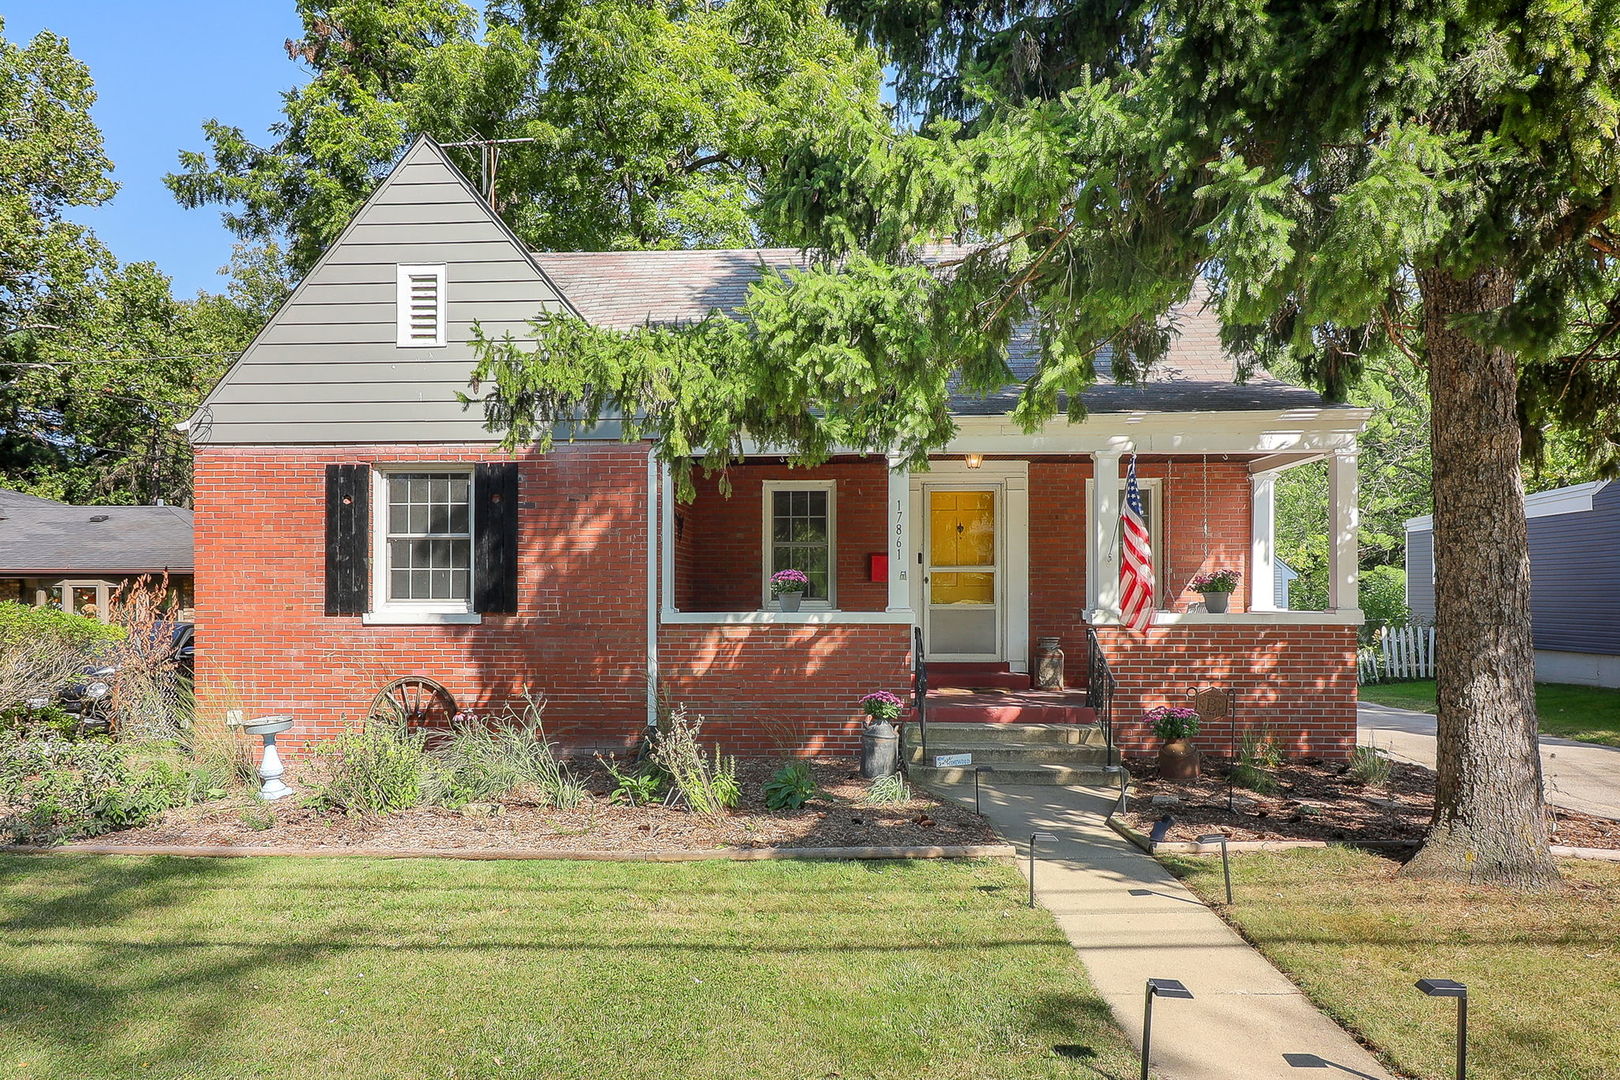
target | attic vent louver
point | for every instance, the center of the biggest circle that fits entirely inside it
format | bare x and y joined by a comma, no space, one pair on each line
421,304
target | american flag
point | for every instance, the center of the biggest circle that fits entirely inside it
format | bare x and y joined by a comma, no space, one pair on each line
1136,569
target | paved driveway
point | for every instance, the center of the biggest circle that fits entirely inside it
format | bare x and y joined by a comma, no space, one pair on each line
1579,776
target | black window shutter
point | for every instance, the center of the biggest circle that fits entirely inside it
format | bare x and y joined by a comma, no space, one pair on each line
495,537
348,539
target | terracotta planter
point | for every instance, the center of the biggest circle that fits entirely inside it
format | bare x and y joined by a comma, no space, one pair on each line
1178,760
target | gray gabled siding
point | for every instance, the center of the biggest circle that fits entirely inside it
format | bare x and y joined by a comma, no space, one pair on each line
1574,577
1420,574
327,370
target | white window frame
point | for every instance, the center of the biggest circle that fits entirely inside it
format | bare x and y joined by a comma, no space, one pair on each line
1152,488
402,306
414,612
104,593
767,502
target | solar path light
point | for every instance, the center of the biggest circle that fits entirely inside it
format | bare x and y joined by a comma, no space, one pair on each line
1449,988
1166,988
1226,862
977,769
1032,838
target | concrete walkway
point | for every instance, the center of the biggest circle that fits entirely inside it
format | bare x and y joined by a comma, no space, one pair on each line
1130,920
1577,775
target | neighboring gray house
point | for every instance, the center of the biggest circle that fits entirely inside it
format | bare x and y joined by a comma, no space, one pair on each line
1283,576
1574,580
77,556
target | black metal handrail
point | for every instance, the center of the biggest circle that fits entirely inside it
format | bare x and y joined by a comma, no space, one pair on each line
919,688
1100,687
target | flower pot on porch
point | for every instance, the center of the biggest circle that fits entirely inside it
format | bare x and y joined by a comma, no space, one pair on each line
1216,602
1178,760
788,601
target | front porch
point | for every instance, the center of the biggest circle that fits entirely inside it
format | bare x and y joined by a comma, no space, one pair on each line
1005,539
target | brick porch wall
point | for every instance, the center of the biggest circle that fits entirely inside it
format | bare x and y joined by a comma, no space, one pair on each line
1299,682
719,552
776,688
579,636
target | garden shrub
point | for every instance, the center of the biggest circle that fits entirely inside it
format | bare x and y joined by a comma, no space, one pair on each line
889,789
1369,766
640,785
55,788
488,759
1258,755
43,650
371,771
707,785
790,787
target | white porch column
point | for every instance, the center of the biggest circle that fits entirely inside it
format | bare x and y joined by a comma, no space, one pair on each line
1102,574
666,503
1263,549
900,550
1345,496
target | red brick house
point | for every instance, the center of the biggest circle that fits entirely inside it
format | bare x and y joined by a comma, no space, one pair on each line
354,524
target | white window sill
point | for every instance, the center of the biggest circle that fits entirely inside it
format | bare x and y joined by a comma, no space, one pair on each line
1238,618
801,617
407,617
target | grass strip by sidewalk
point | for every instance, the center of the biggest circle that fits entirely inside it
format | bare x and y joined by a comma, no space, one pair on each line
1543,972
1588,713
117,967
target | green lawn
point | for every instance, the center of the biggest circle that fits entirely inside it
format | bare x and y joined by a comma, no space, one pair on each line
1543,972
1590,713
354,969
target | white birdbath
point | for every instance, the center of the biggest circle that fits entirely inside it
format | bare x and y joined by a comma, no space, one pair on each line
270,768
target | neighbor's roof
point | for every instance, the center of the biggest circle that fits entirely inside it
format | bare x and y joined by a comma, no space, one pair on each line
621,290
57,539
10,498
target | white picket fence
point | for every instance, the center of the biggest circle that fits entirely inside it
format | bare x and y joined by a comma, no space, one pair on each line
1401,652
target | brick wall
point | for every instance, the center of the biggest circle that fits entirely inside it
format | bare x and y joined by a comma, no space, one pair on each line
720,551
1298,681
768,688
1191,491
579,635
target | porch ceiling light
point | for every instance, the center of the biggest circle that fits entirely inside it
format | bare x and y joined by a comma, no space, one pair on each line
973,460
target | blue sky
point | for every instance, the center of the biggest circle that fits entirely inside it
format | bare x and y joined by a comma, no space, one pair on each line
161,68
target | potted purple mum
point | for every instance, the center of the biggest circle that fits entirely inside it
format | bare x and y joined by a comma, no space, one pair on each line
1175,725
1217,586
789,587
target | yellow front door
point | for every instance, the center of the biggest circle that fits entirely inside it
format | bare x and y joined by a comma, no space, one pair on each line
962,582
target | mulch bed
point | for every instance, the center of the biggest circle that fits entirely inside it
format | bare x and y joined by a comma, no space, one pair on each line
836,817
1317,800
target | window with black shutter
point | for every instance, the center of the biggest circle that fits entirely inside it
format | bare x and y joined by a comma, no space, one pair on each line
348,539
495,537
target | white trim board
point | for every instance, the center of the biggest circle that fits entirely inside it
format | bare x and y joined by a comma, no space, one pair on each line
1575,499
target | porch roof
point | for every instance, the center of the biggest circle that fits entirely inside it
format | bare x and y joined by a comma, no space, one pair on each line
622,290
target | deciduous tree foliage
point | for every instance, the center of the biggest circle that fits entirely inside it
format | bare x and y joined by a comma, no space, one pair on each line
1432,179
97,360
653,122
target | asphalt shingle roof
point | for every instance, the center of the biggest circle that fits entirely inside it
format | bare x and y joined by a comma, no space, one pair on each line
54,538
625,289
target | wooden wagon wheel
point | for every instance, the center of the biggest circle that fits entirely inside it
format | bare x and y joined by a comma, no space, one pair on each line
415,702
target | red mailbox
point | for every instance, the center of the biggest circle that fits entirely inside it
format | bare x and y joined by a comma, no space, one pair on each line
877,567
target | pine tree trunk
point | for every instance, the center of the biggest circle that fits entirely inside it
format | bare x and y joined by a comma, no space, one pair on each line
1489,822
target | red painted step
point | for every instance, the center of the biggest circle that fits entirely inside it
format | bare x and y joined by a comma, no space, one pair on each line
949,705
975,676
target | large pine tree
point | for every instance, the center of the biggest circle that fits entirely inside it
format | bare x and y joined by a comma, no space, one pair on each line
1432,179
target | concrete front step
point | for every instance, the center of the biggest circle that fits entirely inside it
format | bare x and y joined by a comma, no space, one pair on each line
1030,773
999,754
970,735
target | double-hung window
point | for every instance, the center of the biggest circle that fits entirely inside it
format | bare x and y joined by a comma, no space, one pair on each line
799,531
426,539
